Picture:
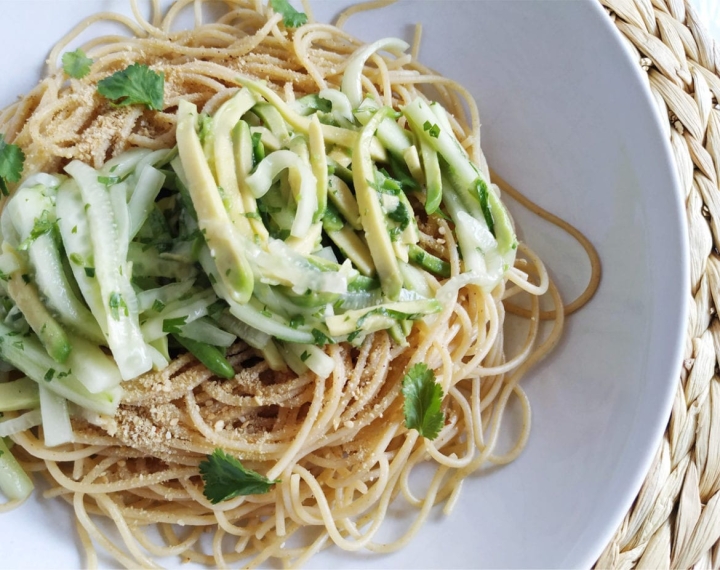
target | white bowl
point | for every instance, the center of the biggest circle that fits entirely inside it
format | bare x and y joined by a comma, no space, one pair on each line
567,119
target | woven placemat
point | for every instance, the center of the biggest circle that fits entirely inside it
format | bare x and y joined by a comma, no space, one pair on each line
675,519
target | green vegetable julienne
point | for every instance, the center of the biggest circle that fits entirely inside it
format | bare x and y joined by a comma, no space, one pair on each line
134,85
225,478
423,398
76,64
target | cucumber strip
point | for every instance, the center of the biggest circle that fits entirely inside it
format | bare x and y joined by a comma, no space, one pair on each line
14,482
252,336
125,163
302,182
428,261
412,159
344,200
124,336
160,359
354,248
292,360
414,280
203,330
371,212
188,310
433,180
149,262
391,135
26,208
250,314
335,135
225,119
234,270
313,358
273,120
352,77
319,166
30,358
118,201
57,429
340,108
21,394
242,147
49,331
92,367
142,201
20,423
163,295
380,316
75,233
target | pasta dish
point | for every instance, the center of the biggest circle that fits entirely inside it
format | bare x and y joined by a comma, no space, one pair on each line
254,278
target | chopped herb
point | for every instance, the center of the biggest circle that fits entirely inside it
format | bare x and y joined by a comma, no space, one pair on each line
49,375
400,215
90,272
12,159
225,478
297,321
389,313
423,399
433,130
134,85
76,258
353,335
43,225
26,278
332,222
19,344
402,175
266,313
76,64
173,325
252,215
321,339
62,375
116,303
158,306
291,17
305,355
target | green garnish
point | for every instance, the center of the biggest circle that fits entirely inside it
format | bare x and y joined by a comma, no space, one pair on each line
76,64
49,375
12,159
43,225
291,17
321,339
423,398
482,193
158,306
433,130
225,478
134,85
173,325
116,302
90,271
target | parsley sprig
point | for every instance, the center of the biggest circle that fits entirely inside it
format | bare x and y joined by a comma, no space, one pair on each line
226,478
12,159
423,398
134,85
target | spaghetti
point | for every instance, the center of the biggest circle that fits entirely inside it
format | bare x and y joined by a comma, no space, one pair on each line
339,446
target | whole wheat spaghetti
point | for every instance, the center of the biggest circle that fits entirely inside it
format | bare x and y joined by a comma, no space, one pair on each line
339,446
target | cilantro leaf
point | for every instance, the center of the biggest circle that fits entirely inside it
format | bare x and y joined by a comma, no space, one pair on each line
225,478
12,159
76,64
291,17
321,339
43,225
423,397
134,85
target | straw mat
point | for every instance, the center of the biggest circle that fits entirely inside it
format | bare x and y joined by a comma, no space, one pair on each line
675,520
